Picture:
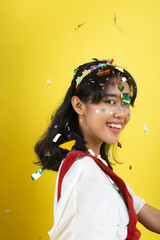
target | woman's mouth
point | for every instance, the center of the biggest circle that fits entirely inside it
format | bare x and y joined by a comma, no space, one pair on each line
114,127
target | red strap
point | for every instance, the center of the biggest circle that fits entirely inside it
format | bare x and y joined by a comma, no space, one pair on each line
133,232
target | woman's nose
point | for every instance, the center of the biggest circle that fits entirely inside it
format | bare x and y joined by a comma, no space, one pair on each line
119,112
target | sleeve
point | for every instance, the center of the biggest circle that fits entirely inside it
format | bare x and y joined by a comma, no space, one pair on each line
86,210
137,201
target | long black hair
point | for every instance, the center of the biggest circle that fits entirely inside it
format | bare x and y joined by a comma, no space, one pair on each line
65,119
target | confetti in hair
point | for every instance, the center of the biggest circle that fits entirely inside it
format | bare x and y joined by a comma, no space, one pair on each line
55,139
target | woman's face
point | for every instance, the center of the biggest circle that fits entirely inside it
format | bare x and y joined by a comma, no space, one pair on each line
103,121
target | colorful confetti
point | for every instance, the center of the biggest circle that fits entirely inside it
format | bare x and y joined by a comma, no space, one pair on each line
126,100
80,25
121,87
103,109
56,137
68,145
130,166
128,114
145,128
101,73
120,109
37,174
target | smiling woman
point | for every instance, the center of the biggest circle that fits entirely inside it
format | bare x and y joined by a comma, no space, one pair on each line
91,201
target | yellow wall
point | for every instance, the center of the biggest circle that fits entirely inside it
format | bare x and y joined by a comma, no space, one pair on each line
39,42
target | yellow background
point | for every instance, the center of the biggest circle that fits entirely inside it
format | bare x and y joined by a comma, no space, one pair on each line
39,42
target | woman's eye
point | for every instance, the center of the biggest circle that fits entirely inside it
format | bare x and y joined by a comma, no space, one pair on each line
110,101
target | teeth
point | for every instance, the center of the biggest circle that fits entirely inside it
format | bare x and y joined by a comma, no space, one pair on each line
114,125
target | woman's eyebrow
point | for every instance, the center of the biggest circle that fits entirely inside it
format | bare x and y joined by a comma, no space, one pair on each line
112,95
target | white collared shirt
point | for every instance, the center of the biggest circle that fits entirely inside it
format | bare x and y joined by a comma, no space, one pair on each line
90,207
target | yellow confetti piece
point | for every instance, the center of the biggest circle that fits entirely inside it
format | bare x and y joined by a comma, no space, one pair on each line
68,145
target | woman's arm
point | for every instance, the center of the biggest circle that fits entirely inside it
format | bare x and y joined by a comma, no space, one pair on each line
149,217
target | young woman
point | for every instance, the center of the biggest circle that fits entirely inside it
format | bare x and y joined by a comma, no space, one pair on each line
91,202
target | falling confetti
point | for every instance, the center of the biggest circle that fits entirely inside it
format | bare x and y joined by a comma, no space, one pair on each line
48,81
130,166
109,154
7,210
56,137
115,21
80,25
68,145
145,128
37,174
119,144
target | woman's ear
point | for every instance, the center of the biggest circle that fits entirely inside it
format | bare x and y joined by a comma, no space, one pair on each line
78,105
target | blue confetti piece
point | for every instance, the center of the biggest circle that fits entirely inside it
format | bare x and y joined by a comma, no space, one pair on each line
145,128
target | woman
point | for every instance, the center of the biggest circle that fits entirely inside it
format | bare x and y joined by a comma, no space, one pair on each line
91,202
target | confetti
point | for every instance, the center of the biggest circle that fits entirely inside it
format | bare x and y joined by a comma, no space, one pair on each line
121,87
7,210
128,114
56,137
97,111
48,81
101,84
104,72
123,79
91,152
119,69
145,128
130,166
120,109
109,154
80,25
48,154
126,100
103,109
68,145
115,21
119,144
37,174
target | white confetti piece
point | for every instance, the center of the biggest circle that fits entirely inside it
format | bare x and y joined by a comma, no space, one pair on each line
109,154
56,137
37,174
119,69
7,210
145,128
97,111
48,81
123,79
91,152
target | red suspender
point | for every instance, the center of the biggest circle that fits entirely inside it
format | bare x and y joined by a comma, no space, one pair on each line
133,232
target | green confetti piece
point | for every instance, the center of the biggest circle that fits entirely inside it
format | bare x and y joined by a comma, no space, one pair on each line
103,109
37,174
75,71
121,87
126,100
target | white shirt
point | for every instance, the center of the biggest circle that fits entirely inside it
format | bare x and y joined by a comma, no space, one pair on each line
90,207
